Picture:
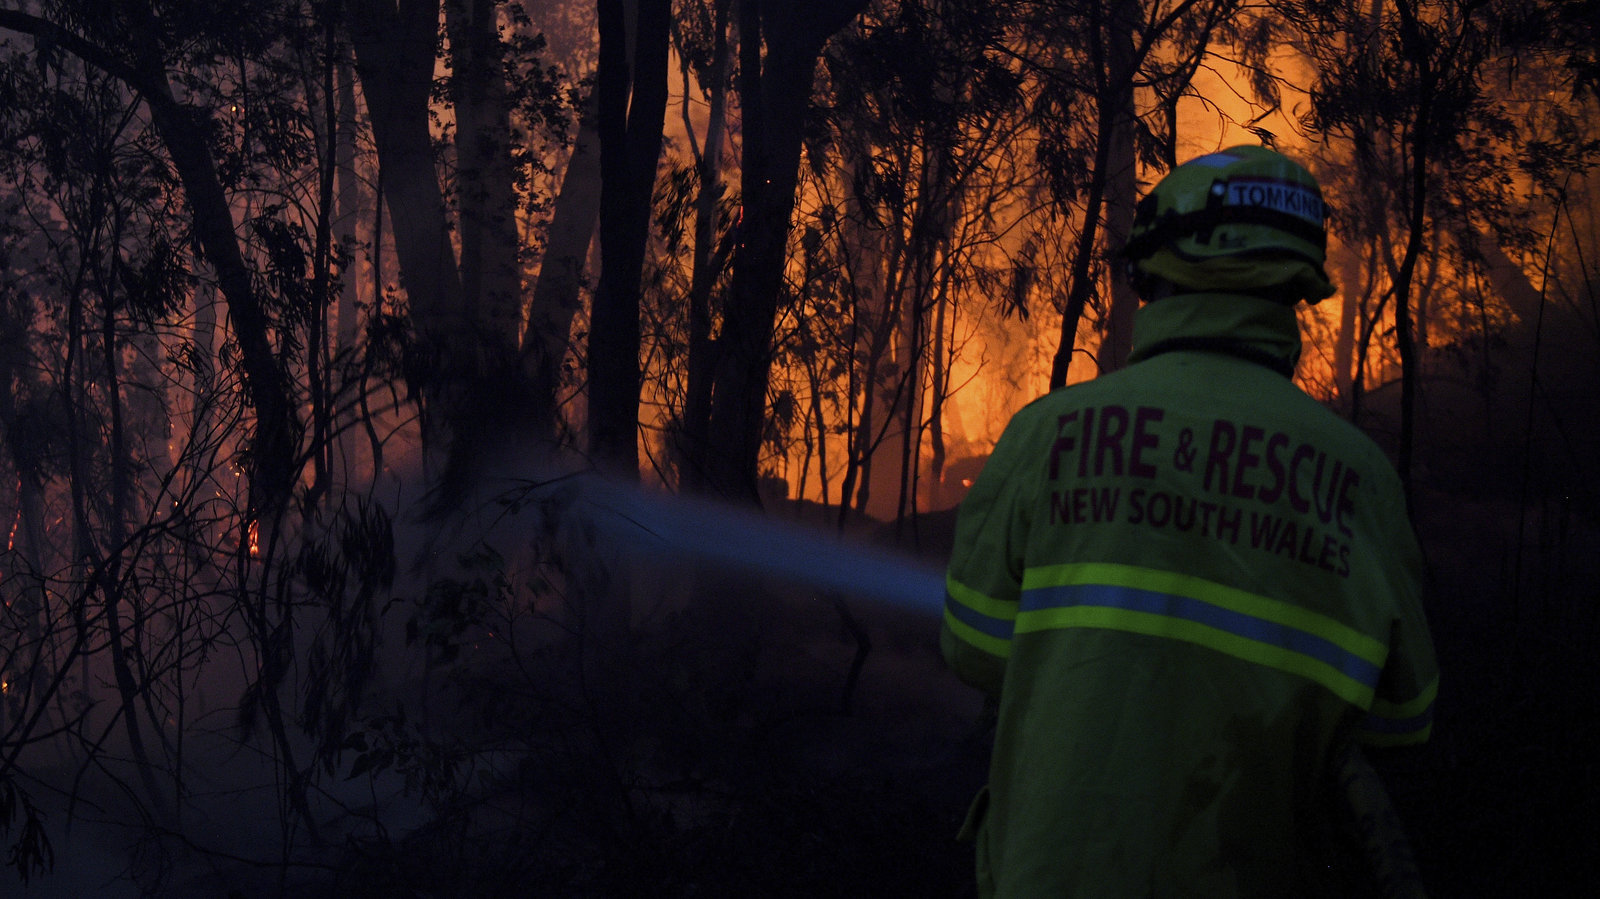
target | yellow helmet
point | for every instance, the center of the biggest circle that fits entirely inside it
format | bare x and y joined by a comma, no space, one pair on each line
1245,219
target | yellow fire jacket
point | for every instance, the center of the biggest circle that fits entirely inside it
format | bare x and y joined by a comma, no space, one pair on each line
1187,582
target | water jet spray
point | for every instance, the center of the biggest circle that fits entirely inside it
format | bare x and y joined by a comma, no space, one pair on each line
691,529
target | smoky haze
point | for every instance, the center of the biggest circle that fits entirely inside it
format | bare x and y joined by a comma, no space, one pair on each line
293,296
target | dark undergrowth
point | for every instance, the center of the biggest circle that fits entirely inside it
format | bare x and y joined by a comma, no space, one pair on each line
1505,799
741,740
723,750
736,758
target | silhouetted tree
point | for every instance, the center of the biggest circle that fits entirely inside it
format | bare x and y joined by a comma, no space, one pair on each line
1420,110
1093,60
633,98
129,43
707,50
779,44
926,111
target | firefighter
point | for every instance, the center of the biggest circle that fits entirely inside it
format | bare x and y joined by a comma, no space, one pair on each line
1187,584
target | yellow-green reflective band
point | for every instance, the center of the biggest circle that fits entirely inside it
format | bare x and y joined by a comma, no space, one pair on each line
1174,584
1411,709
984,622
966,633
1253,628
997,609
1395,724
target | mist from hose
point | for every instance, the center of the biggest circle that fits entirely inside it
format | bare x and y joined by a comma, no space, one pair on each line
690,529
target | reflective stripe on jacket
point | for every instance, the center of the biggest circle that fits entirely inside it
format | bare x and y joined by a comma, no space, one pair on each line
1186,582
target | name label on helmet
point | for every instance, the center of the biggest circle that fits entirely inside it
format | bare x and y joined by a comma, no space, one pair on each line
1286,197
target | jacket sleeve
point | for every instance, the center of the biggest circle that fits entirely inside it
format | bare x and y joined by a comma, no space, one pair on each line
984,580
1402,704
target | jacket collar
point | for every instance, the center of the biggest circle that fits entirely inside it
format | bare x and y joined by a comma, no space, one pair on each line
1263,330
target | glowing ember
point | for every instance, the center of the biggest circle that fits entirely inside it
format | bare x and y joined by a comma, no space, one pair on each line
11,537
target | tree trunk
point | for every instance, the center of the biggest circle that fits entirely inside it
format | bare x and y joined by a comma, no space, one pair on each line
876,312
348,212
317,337
23,433
123,641
939,387
1413,43
491,279
394,43
915,348
775,90
633,102
928,244
557,293
277,430
1344,343
890,271
709,263
1113,98
1081,285
1122,183
476,401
